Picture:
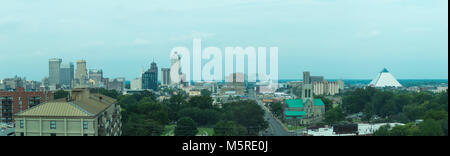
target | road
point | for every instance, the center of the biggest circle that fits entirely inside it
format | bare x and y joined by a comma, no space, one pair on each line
275,127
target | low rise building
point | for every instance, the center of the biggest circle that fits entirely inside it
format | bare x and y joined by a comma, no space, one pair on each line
19,100
82,114
117,84
304,111
307,110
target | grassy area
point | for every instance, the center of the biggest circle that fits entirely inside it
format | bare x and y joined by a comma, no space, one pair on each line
169,131
205,131
293,127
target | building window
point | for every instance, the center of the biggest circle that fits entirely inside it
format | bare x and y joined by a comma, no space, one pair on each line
85,134
85,125
52,124
21,123
22,134
53,134
33,101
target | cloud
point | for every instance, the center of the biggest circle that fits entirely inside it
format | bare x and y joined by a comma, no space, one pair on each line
93,44
140,41
193,35
369,34
415,30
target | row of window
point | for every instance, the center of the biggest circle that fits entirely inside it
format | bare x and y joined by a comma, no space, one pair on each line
51,134
53,124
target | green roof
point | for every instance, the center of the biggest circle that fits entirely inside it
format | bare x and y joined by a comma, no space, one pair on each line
294,113
299,103
294,103
318,102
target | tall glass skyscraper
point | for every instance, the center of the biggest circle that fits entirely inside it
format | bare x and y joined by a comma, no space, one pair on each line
150,78
67,73
54,71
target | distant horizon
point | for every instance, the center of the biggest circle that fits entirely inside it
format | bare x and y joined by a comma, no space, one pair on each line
281,79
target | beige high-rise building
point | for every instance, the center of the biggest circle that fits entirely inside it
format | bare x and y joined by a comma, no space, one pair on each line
165,76
83,114
81,75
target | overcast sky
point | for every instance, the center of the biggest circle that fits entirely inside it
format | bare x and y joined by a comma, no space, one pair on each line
349,39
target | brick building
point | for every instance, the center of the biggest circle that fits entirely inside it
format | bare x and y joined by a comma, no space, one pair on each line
12,102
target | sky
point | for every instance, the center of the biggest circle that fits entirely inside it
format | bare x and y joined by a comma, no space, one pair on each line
339,39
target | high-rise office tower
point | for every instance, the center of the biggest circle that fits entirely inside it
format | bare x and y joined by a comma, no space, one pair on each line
81,71
150,78
97,77
81,75
165,76
54,71
174,59
67,73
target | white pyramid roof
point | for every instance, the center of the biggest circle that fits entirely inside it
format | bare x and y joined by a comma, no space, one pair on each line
385,79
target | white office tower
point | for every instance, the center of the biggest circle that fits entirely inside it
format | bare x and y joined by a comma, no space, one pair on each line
385,79
136,84
174,60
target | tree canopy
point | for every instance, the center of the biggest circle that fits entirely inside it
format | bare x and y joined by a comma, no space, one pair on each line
186,127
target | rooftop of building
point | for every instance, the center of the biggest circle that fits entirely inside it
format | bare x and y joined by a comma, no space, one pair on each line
300,103
81,104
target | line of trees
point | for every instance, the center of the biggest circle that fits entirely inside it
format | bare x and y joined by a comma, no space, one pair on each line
401,106
143,115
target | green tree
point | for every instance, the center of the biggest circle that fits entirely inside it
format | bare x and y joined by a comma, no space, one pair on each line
110,93
382,131
175,104
328,103
205,92
60,94
153,110
414,111
137,125
277,109
431,127
334,115
246,113
229,128
357,100
186,127
145,117
436,115
399,131
202,102
203,117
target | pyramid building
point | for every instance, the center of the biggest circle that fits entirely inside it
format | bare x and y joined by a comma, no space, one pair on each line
385,79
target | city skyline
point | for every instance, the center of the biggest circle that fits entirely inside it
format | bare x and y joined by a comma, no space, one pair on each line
350,39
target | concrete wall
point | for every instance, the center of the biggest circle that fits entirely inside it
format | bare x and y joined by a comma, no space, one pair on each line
64,127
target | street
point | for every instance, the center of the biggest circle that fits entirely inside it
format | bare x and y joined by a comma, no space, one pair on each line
275,127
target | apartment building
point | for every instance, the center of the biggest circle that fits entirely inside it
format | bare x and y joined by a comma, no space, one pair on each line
18,100
82,114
